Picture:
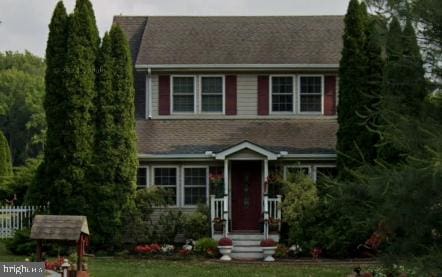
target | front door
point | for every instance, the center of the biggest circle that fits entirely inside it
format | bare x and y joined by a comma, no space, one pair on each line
246,195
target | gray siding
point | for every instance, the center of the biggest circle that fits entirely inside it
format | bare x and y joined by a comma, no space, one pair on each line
247,95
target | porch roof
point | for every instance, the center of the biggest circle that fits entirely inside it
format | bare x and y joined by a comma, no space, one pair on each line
187,136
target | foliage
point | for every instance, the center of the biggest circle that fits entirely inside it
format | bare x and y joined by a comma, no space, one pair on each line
281,251
22,117
114,161
139,227
300,197
206,246
5,159
169,225
21,244
267,243
225,241
197,224
352,132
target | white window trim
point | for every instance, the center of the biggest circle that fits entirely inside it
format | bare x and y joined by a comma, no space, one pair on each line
194,95
309,167
183,184
200,94
177,168
315,169
298,100
147,176
294,99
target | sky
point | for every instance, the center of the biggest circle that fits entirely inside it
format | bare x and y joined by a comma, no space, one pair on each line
24,23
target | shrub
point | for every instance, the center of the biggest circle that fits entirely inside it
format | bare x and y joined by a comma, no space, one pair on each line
206,247
197,224
137,220
281,251
169,225
267,243
21,244
225,241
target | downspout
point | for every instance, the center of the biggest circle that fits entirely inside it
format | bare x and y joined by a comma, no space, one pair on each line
149,93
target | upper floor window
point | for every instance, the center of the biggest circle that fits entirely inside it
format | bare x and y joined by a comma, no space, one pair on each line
282,93
212,88
183,94
310,94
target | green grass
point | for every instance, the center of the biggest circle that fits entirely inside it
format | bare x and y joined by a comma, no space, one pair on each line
121,267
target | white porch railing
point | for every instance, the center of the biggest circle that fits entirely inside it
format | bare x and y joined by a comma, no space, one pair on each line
13,218
272,212
216,211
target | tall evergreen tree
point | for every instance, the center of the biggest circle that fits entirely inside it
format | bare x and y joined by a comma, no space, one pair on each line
54,104
5,158
352,100
69,191
115,159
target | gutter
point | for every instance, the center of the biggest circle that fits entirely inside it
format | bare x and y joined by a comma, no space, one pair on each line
188,67
209,156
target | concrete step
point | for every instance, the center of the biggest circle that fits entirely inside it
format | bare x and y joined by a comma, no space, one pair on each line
247,255
248,249
246,242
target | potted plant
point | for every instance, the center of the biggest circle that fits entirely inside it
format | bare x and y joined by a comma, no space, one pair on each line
274,224
225,246
218,224
268,249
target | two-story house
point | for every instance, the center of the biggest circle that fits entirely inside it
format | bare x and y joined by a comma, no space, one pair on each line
239,96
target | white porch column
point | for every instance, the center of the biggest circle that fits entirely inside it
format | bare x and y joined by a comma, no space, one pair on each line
266,199
226,197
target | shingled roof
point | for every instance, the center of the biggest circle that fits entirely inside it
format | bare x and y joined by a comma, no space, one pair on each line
234,39
312,136
59,227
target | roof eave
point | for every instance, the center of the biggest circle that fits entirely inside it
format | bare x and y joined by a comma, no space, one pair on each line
235,67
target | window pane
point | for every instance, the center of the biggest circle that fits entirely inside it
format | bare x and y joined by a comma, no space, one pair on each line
195,177
194,196
183,103
183,85
282,103
165,176
212,103
311,85
212,84
282,85
311,103
141,177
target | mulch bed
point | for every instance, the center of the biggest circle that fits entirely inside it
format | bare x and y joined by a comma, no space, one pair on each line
306,261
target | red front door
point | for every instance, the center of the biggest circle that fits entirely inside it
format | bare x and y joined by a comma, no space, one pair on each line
246,195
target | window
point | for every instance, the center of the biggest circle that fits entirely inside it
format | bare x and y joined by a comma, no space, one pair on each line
323,172
195,185
212,88
310,93
142,177
282,94
166,178
183,91
290,170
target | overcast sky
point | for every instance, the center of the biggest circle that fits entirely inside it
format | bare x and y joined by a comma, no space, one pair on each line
24,23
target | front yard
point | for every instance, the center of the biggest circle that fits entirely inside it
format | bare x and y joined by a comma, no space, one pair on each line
109,267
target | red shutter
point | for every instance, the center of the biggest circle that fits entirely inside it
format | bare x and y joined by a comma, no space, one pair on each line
231,95
330,95
263,95
164,95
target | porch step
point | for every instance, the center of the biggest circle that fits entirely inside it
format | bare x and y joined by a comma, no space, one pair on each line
246,246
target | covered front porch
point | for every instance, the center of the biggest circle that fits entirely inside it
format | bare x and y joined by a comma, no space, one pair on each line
244,208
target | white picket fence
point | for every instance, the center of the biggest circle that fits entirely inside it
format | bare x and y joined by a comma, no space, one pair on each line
13,218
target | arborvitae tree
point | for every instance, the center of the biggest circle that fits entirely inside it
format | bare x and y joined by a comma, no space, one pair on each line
5,158
48,172
115,160
69,191
352,74
414,82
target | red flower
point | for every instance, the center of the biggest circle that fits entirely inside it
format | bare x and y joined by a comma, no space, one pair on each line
184,252
268,243
225,241
155,247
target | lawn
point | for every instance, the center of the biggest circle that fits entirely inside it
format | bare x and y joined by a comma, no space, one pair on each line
109,267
